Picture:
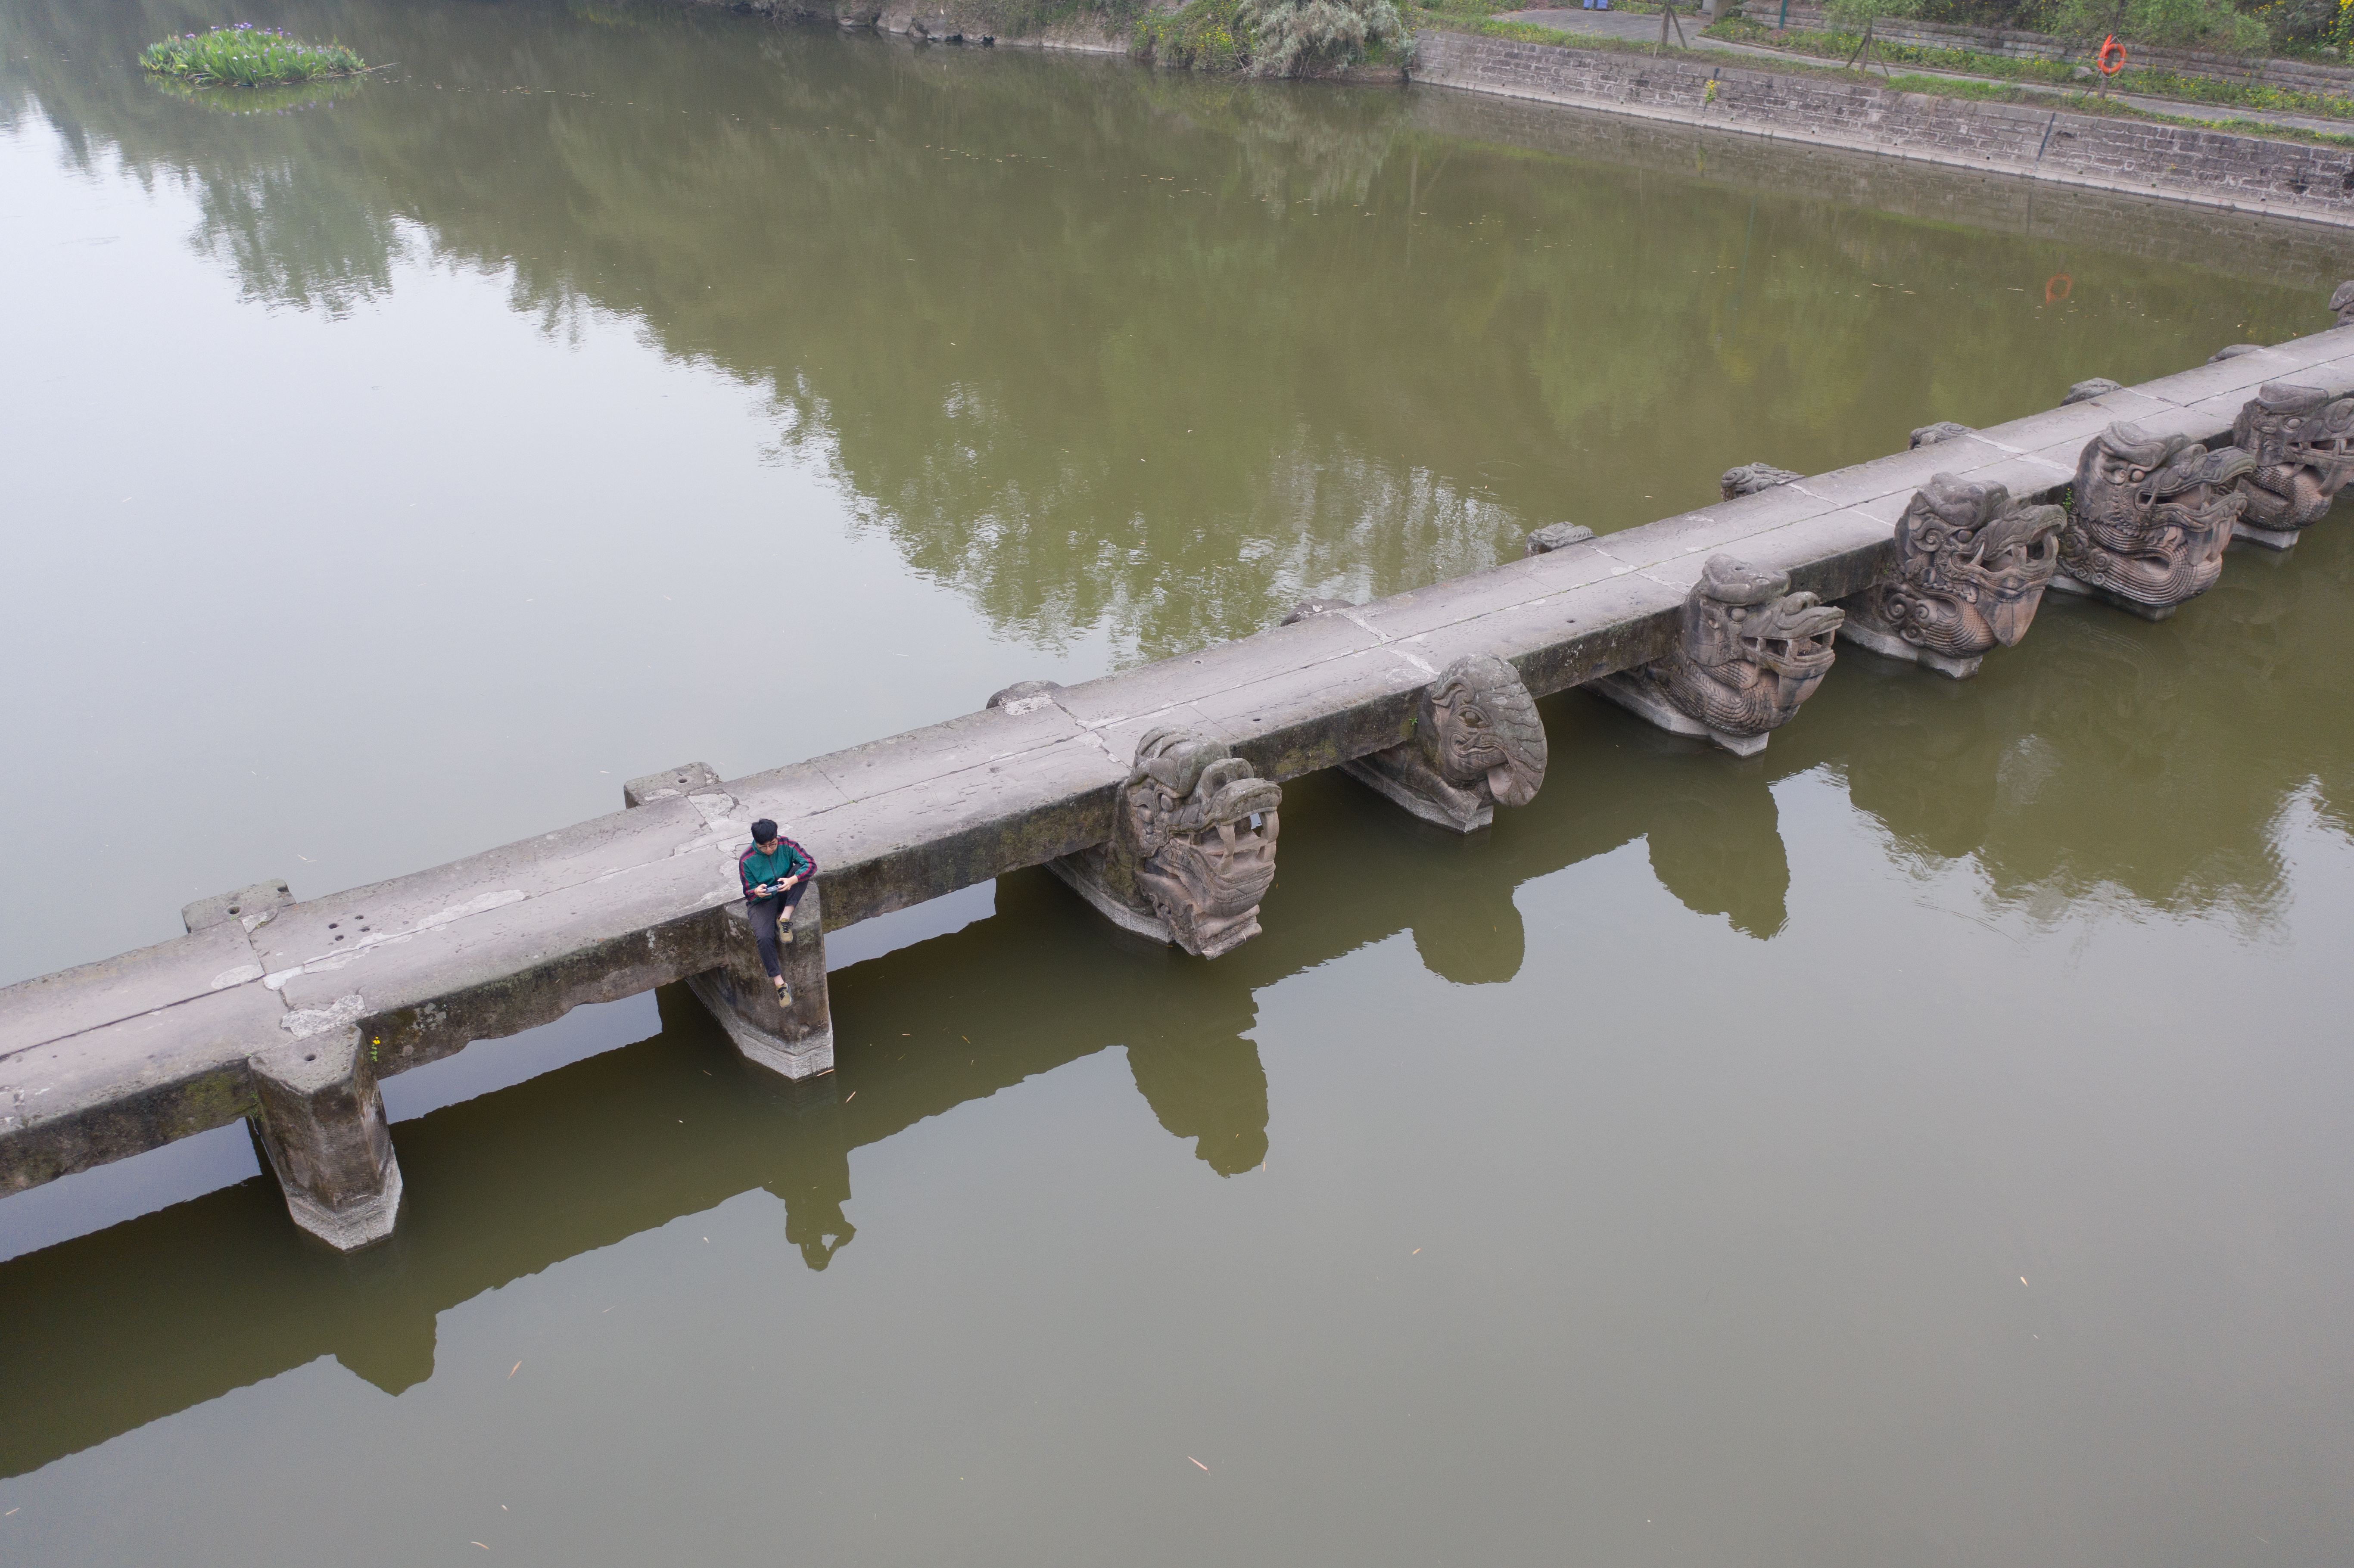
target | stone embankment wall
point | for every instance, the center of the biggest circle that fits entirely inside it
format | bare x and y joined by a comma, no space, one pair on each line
2181,163
2242,244
2301,76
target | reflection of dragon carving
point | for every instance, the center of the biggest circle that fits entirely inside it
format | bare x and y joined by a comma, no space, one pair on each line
2301,442
1748,652
1971,568
1192,848
2153,516
1477,744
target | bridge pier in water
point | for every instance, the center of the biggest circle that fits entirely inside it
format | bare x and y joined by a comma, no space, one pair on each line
793,1039
320,1125
796,1040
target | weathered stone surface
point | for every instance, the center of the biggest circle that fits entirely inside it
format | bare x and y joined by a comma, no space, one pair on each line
2098,386
670,784
795,1038
1308,609
250,906
2301,442
1556,537
1024,697
1748,653
2341,302
1751,477
1971,567
321,1124
2152,517
1192,852
1942,431
1477,744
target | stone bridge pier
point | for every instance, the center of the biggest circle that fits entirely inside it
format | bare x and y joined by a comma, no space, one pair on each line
794,1038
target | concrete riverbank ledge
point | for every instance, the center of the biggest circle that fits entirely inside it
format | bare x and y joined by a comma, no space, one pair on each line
1155,792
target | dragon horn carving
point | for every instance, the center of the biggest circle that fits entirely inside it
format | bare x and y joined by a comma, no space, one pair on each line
1477,743
1971,568
1193,846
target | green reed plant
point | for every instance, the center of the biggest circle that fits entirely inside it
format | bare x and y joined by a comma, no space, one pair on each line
245,56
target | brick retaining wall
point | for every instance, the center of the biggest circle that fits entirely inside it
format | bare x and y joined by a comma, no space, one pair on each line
2211,167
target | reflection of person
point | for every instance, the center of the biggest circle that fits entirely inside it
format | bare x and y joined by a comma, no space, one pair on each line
776,872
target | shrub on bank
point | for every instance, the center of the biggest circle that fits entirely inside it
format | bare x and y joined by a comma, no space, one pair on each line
1272,38
247,56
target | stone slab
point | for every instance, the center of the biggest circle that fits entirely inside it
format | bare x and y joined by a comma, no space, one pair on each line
89,996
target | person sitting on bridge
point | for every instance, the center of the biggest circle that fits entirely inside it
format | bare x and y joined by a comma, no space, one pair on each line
776,872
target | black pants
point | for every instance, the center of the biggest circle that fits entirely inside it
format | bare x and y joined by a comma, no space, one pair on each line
766,913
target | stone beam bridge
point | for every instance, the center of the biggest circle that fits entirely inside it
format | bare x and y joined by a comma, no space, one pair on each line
1156,793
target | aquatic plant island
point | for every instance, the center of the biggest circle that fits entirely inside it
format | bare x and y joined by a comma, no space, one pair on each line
243,55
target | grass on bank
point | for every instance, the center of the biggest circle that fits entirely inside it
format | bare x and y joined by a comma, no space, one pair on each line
1474,17
247,56
2147,82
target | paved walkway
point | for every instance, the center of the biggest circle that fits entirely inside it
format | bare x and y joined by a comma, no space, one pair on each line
1643,28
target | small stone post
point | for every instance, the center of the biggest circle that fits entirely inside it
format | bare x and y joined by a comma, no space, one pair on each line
796,1041
320,1123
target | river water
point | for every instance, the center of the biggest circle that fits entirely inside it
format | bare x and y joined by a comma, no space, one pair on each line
1926,1142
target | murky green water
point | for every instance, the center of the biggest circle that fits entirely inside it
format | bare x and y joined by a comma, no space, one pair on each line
1925,1143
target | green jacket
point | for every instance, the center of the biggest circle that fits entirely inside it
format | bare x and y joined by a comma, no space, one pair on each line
758,870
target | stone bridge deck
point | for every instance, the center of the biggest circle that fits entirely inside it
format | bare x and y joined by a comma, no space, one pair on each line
114,1057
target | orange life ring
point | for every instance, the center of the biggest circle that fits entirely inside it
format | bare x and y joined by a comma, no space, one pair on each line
2109,46
2058,287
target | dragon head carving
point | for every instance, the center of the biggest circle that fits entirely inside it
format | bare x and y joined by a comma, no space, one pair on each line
1751,650
2301,442
1972,565
1201,828
1477,723
2153,516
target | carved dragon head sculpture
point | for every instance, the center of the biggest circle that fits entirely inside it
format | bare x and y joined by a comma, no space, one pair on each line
1479,724
1201,828
1751,650
2302,441
2152,516
1971,567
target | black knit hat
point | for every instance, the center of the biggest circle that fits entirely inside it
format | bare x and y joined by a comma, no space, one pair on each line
764,831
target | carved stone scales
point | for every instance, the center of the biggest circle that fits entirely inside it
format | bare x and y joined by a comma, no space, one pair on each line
1193,846
2302,441
1748,652
1477,744
2153,517
1754,479
1971,568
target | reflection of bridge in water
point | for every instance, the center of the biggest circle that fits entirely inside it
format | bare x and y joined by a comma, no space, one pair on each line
113,1330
